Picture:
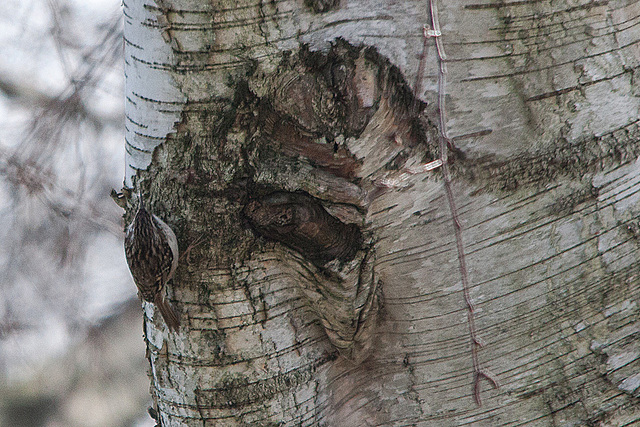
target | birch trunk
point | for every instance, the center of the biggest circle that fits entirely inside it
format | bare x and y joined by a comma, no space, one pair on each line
230,102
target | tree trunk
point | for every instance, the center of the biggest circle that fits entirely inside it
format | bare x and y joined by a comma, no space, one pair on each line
319,281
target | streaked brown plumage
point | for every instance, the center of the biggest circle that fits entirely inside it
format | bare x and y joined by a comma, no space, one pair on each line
151,248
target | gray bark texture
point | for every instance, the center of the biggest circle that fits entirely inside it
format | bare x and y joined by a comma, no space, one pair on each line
319,280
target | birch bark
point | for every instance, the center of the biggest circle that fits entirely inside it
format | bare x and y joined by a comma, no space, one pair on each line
542,100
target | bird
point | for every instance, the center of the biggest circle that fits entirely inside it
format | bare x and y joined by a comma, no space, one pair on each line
151,249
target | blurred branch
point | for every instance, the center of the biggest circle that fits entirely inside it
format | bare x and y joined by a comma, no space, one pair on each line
36,180
54,126
30,96
25,94
59,267
57,32
44,137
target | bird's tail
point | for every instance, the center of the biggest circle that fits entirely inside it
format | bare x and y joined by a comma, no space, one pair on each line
168,313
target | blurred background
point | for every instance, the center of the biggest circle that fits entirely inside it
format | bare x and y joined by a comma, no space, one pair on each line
71,348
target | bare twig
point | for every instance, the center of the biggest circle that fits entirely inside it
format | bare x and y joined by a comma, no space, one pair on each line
445,145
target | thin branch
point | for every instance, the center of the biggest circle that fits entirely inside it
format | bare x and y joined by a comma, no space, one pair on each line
445,145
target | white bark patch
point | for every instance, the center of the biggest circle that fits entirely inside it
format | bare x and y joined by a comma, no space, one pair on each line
630,384
153,101
617,361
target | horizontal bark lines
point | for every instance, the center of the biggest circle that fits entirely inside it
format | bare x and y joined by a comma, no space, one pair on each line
542,75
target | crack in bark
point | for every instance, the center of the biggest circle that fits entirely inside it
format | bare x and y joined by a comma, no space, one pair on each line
237,391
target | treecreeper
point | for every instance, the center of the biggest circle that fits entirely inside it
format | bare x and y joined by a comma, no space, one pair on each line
151,249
